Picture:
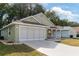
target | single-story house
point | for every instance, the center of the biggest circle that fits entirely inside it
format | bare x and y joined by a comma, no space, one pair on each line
36,27
66,32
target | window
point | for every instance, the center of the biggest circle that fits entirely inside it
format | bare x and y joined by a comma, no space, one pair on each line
49,33
9,31
77,35
71,36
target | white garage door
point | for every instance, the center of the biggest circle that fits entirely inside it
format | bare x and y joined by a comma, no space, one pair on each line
32,33
65,33
57,34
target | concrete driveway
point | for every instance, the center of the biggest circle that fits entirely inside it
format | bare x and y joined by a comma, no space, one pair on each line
51,48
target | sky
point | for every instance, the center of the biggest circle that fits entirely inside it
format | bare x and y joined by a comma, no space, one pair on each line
68,11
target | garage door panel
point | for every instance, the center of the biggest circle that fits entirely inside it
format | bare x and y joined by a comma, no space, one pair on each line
36,34
30,34
57,34
42,33
22,34
65,33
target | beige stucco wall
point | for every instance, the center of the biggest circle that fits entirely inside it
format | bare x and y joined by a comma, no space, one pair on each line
4,33
8,33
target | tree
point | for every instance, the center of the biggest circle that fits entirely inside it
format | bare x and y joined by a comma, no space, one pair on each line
23,10
18,11
73,24
64,22
53,17
2,12
56,20
38,8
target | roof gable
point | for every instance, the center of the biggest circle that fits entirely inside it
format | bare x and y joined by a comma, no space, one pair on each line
41,18
29,19
38,18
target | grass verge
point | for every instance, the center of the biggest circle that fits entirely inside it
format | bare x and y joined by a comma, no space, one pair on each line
18,50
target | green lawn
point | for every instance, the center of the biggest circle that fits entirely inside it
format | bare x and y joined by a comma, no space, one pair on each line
18,50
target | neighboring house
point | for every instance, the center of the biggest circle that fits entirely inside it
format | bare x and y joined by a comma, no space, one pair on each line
37,27
66,32
76,29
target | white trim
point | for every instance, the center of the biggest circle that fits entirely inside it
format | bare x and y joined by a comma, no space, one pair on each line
29,17
48,20
36,19
51,22
46,17
6,26
20,23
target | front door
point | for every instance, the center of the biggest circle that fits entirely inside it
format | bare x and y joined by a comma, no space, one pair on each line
49,33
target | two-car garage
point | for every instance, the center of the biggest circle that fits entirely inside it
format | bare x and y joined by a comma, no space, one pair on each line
32,33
